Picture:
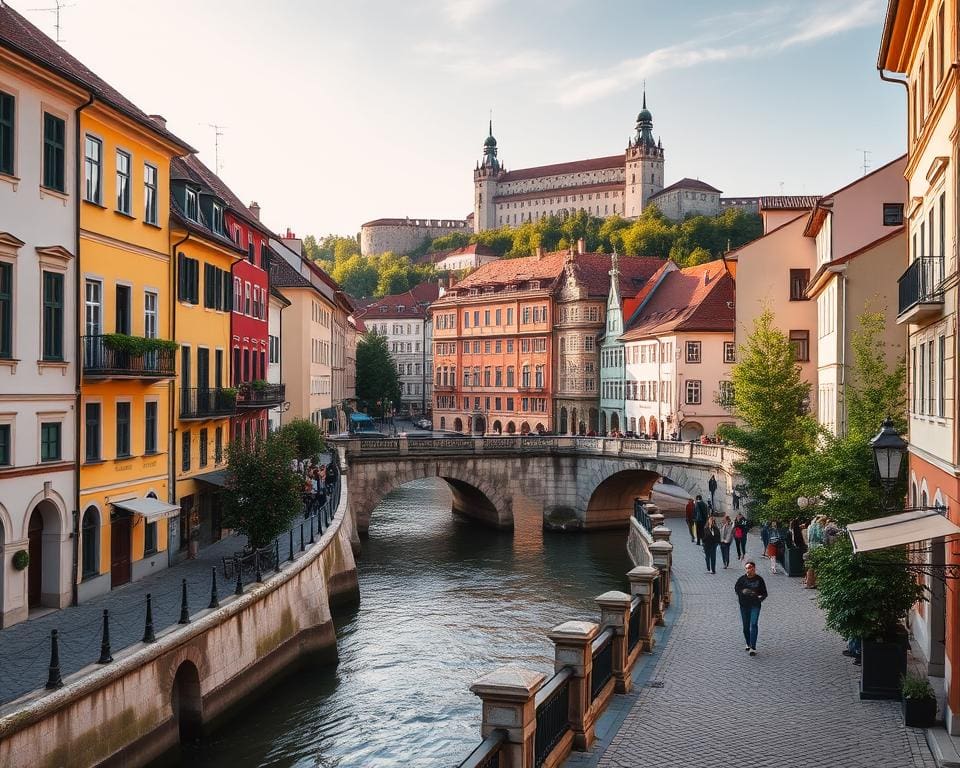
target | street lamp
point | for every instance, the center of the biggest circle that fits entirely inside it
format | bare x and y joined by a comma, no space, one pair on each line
888,452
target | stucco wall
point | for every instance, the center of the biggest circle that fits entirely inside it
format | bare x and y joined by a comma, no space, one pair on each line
405,237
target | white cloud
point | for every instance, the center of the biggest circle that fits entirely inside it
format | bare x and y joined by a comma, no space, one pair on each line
460,12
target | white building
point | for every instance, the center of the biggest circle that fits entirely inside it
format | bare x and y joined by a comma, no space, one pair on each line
278,303
679,354
687,197
469,257
403,320
38,332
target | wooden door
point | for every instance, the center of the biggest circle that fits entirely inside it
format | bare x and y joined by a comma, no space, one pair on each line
119,551
35,568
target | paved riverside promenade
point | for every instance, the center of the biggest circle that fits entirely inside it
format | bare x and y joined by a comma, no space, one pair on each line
710,704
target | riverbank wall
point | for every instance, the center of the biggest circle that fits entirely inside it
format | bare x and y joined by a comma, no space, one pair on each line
152,695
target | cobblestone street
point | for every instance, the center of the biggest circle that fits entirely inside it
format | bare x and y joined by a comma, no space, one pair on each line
710,704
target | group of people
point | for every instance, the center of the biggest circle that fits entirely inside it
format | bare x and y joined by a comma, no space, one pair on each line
318,482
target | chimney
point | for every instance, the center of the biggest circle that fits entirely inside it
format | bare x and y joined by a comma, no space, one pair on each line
255,210
539,252
159,120
581,246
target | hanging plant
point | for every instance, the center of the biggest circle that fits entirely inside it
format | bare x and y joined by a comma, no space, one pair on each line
21,559
137,345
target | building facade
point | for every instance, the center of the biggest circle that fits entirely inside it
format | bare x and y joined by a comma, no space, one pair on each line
687,197
405,235
612,366
277,304
467,258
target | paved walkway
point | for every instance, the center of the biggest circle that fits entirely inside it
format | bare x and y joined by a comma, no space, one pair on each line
795,704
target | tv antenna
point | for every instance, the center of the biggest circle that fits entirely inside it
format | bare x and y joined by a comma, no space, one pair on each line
866,165
217,135
58,6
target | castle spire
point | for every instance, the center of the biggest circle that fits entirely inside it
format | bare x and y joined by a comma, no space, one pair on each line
490,150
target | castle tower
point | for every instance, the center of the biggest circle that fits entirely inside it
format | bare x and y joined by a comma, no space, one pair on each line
644,165
485,185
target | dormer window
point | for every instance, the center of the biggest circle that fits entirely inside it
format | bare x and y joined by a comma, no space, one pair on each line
217,223
488,289
400,308
383,310
474,292
191,205
236,234
534,285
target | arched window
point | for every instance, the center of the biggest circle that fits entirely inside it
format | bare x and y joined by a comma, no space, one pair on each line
90,543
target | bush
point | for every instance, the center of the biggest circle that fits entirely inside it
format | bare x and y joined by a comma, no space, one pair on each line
137,345
305,437
21,559
916,687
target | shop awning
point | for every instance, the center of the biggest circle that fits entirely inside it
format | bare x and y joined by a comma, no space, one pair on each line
148,508
895,530
218,478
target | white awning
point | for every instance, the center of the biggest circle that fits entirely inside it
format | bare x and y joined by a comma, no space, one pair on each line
905,528
148,508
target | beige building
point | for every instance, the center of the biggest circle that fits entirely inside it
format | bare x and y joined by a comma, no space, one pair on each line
776,210
687,197
469,257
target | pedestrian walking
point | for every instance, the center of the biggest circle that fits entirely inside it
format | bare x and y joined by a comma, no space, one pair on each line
712,487
736,501
726,539
764,537
690,521
751,592
740,528
774,538
711,538
700,515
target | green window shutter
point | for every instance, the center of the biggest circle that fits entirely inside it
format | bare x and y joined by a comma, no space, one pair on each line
54,130
52,316
6,310
6,133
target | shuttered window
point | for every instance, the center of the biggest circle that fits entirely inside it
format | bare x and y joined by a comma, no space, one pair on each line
6,133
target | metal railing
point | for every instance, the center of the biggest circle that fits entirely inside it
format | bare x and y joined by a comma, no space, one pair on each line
552,703
920,283
102,359
642,516
633,628
250,396
211,403
487,754
602,649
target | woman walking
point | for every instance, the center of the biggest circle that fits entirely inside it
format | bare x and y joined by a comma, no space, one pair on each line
774,537
710,538
740,527
726,539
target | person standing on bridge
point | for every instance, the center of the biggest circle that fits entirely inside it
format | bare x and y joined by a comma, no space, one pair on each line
751,592
700,515
712,486
711,538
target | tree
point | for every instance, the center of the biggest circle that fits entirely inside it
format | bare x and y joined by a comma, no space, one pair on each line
449,242
376,373
770,399
263,493
356,275
875,390
305,437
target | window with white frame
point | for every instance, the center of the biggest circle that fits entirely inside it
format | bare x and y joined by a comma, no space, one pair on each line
123,182
693,352
93,168
693,392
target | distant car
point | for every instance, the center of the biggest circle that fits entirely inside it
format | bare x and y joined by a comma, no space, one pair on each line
423,424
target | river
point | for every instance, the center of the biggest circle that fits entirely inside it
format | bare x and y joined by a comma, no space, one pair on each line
443,600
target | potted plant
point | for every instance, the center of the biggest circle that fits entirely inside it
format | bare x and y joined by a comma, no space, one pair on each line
868,596
919,702
21,559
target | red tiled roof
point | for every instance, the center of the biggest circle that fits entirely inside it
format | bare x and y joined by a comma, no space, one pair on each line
686,183
508,271
191,167
684,302
18,34
413,302
788,202
586,188
576,166
593,271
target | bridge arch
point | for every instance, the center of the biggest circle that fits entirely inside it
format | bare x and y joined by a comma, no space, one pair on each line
611,503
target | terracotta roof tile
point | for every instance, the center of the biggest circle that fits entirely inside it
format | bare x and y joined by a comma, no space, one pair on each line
283,275
576,166
413,303
788,202
18,34
692,299
686,183
586,188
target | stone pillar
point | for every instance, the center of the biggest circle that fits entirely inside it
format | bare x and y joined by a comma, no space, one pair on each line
661,533
572,640
641,585
656,519
508,695
404,446
615,612
662,552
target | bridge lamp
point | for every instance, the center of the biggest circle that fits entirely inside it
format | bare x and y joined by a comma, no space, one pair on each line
804,502
888,452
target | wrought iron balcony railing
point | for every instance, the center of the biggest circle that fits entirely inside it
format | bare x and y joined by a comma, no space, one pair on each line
116,356
208,403
262,395
920,285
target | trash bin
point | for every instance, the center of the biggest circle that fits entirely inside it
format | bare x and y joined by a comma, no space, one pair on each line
793,561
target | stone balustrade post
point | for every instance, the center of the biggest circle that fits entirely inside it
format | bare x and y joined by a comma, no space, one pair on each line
615,612
656,517
641,585
404,446
662,552
572,641
661,533
508,695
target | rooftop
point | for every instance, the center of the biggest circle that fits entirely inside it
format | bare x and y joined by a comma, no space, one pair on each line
788,202
576,166
411,304
687,183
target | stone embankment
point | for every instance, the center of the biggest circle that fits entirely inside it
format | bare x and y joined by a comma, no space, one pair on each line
137,707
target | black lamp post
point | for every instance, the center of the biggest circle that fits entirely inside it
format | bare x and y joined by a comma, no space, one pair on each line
889,450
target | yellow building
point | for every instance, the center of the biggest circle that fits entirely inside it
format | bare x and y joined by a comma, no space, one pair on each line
127,349
203,402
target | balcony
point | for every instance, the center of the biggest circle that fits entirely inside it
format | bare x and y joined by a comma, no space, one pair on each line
260,394
118,356
920,291
199,404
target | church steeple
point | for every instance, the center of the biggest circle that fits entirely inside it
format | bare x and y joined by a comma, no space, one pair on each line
490,150
645,126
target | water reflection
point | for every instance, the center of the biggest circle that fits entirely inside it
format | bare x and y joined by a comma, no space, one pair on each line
443,600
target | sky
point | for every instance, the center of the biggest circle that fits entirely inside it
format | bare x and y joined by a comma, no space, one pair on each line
336,113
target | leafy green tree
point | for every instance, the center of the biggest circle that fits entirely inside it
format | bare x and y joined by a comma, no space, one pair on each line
305,437
770,400
377,382
450,242
697,256
263,493
875,390
344,248
356,275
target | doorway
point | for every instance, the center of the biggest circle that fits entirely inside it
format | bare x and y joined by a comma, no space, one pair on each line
35,566
120,546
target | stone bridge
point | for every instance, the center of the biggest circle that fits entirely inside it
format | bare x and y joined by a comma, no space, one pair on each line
580,482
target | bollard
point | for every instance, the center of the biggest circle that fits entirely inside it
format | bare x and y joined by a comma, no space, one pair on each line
615,612
214,597
290,557
276,554
256,560
105,656
311,530
148,635
54,680
572,641
239,587
301,537
184,610
509,703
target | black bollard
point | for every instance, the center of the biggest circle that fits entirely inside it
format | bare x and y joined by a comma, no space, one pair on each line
237,564
148,635
301,537
105,656
256,556
290,558
54,680
184,610
276,553
214,597
311,531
